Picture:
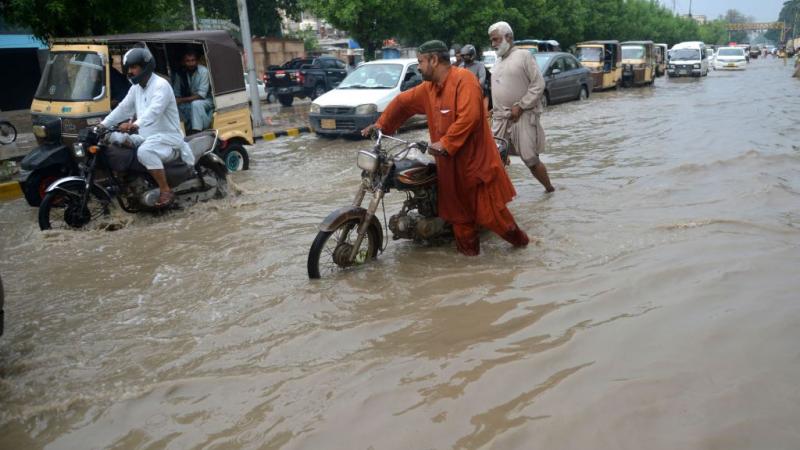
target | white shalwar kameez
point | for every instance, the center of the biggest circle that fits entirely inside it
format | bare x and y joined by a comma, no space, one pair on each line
159,124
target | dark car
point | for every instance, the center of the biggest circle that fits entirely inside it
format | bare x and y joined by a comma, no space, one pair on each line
565,78
306,77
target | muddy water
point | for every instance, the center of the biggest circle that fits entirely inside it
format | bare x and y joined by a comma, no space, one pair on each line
658,309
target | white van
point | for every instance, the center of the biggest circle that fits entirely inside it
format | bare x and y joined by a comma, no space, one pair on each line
360,98
688,59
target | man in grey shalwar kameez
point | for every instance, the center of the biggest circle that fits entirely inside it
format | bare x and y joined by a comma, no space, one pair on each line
517,89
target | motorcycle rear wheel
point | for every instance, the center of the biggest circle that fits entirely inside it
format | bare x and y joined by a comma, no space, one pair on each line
329,256
61,209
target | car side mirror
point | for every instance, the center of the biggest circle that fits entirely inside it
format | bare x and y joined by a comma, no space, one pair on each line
555,72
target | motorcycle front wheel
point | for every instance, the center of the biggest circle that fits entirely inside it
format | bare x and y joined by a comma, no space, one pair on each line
330,252
61,208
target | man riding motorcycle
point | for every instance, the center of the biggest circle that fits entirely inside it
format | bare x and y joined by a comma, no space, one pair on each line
152,101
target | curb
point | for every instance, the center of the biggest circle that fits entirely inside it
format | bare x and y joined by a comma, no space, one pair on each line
10,190
288,132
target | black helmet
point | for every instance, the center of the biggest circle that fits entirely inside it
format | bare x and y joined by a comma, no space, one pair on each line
469,50
139,57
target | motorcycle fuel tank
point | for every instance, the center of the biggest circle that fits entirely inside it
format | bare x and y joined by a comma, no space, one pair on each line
412,173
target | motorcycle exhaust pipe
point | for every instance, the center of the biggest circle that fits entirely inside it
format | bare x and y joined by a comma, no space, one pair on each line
149,198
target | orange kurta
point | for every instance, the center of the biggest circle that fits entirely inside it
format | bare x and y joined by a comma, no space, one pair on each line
472,183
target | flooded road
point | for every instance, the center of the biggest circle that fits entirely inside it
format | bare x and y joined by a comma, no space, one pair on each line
658,309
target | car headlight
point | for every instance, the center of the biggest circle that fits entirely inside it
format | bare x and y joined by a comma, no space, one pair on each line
369,108
697,66
314,109
78,150
672,66
367,160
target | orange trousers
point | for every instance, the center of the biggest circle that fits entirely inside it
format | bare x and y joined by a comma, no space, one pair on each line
503,224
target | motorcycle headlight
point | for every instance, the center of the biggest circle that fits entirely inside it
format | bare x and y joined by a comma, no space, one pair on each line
40,131
314,109
697,66
77,150
367,160
369,108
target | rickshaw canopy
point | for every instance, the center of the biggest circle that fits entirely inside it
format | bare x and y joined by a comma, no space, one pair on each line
223,57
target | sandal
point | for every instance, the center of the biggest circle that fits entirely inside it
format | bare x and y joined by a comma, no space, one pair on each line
165,199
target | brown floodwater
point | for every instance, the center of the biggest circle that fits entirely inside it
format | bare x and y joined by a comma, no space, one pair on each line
658,309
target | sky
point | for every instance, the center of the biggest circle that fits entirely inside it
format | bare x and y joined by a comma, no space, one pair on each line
762,10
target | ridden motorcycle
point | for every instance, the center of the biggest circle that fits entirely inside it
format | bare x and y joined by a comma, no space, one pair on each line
352,235
110,171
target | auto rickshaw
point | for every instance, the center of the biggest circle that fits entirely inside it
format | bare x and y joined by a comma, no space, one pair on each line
602,58
83,81
537,46
638,63
661,59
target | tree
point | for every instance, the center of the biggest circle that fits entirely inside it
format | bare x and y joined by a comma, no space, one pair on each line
48,18
790,16
265,15
370,22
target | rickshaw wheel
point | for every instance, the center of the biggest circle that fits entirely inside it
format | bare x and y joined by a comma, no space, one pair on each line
236,158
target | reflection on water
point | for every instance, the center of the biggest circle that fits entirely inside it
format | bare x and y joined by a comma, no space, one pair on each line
657,309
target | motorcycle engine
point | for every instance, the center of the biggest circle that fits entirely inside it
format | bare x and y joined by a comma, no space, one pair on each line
416,227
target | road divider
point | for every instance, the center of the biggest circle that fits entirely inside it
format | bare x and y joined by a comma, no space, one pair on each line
10,190
288,132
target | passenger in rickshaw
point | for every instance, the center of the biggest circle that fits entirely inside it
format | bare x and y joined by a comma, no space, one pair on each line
192,92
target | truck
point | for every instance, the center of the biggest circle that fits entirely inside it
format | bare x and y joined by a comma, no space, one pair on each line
306,77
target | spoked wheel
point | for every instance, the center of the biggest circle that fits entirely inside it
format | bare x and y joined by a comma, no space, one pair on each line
61,208
331,250
8,133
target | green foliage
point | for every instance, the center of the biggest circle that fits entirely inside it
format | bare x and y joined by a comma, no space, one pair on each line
49,18
308,36
264,17
790,15
467,21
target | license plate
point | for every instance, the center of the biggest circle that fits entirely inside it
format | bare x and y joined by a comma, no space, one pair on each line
731,65
280,75
683,72
328,124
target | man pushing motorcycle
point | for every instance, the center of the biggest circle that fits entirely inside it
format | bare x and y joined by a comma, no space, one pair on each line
152,101
472,183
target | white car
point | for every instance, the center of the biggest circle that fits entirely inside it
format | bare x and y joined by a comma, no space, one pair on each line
730,58
360,98
262,92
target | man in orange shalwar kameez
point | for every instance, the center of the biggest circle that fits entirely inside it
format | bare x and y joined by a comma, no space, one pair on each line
473,186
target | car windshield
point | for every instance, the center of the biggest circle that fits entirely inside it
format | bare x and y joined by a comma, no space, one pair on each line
590,54
685,54
72,77
730,52
542,58
373,76
633,52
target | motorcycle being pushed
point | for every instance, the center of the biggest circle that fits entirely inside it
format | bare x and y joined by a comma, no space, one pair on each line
352,235
109,171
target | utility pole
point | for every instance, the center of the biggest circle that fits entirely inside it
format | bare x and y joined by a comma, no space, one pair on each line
690,9
194,16
247,41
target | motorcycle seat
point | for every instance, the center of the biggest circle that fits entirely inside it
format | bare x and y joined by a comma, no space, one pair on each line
201,143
